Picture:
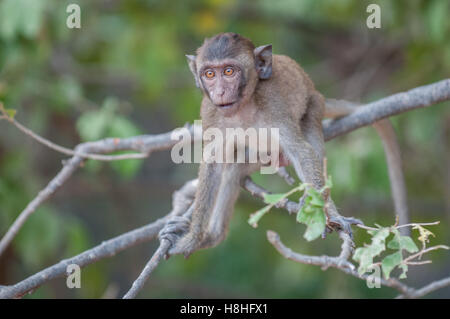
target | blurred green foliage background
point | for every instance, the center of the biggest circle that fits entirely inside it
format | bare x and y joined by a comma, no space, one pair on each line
124,73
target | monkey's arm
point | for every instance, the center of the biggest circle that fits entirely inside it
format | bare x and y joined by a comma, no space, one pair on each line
207,222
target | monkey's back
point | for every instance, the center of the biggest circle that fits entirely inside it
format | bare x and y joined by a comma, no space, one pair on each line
288,86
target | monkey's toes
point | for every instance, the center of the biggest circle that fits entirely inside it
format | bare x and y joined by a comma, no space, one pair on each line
341,223
174,228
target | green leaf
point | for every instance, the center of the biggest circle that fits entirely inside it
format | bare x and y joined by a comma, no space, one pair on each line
312,215
67,92
403,242
273,198
364,255
394,243
103,123
390,262
23,17
314,219
437,19
11,113
40,237
256,216
408,244
404,268
316,198
77,238
10,18
122,127
94,125
399,243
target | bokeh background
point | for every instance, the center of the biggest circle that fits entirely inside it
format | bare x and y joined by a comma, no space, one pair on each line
124,73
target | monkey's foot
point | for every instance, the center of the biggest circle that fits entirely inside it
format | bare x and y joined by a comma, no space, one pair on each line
338,222
174,231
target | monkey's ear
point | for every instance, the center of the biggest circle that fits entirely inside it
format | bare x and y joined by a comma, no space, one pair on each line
263,60
193,66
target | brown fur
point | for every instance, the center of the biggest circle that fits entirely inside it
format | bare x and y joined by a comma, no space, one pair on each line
286,100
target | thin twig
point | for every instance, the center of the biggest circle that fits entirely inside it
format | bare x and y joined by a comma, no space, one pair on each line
399,226
417,263
138,284
68,151
421,224
143,143
424,251
438,284
260,192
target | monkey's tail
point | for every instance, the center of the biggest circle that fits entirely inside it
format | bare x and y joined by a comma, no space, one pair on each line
338,108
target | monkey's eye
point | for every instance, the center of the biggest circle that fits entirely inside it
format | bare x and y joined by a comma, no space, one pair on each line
210,74
228,71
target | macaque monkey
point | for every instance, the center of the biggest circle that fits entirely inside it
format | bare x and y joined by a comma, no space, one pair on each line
248,87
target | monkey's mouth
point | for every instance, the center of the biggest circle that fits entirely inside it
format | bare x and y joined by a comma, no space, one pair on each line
226,105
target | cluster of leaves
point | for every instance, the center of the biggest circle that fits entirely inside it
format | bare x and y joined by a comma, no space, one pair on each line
365,255
401,244
311,212
105,122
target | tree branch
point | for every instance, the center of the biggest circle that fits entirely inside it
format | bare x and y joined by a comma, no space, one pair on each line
348,268
138,284
370,113
107,248
181,200
435,285
144,144
365,115
340,262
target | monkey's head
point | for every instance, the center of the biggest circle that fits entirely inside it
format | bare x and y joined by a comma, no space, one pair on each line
228,67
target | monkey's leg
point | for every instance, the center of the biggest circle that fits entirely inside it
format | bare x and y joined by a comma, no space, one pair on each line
217,226
308,167
311,126
184,232
212,209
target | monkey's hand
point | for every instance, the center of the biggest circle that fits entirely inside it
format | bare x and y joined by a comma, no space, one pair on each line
177,232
